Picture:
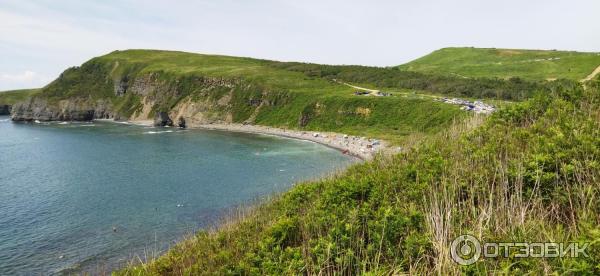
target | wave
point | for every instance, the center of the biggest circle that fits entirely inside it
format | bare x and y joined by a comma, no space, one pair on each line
158,132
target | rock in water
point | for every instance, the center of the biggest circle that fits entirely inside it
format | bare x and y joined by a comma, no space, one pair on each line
181,122
162,119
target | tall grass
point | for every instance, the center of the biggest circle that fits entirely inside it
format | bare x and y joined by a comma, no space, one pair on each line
537,179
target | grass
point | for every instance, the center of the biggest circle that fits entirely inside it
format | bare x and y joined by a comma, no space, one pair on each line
528,173
507,63
258,92
13,96
251,70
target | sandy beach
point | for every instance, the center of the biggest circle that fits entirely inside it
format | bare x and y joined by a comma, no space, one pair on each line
361,147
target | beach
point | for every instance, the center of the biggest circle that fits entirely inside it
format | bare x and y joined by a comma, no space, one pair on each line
362,147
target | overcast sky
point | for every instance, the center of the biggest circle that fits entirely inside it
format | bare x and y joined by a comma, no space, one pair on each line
40,38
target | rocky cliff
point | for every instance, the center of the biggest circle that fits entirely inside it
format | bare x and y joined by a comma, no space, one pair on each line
92,92
5,109
75,109
186,90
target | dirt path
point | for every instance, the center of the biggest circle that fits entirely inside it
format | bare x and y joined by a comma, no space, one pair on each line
374,91
592,75
361,88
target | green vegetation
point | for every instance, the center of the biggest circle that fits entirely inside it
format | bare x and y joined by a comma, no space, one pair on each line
394,78
527,173
14,96
185,64
258,91
507,63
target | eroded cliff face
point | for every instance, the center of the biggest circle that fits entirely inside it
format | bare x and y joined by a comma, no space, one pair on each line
5,109
75,109
182,101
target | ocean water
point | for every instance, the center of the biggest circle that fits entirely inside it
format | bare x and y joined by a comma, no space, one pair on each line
92,196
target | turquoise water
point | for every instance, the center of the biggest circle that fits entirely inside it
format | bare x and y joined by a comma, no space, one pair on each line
66,188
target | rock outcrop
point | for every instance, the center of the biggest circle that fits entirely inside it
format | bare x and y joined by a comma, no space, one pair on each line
181,122
162,119
183,101
5,109
121,87
304,119
64,110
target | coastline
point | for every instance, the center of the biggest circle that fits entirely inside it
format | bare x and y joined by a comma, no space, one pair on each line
361,147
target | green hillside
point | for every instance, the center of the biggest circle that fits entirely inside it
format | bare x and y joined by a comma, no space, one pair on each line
13,96
241,90
528,173
507,63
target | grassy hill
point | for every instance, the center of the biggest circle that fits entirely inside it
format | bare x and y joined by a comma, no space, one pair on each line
13,96
507,63
282,94
237,90
528,173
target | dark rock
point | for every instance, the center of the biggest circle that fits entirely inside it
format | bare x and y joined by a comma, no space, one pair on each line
162,119
5,109
75,115
254,102
181,122
69,110
304,119
121,87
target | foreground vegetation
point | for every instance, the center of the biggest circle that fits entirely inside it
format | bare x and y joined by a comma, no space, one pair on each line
507,63
527,173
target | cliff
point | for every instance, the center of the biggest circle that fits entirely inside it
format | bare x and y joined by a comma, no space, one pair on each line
5,109
176,88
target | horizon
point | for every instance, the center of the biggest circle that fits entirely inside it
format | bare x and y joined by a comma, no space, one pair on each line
42,38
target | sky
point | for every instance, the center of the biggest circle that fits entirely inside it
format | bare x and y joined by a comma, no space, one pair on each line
41,38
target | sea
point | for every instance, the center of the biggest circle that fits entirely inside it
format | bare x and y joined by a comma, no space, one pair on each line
92,197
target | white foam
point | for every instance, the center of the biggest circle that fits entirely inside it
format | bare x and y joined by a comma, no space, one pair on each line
119,122
158,132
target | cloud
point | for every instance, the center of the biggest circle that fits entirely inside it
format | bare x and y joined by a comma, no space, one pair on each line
25,79
27,76
47,36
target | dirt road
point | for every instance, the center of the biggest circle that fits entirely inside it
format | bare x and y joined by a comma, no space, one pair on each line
592,75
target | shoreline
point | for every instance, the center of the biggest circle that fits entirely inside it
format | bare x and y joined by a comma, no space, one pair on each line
360,147
363,148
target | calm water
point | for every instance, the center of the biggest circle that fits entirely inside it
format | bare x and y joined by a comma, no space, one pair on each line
63,187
